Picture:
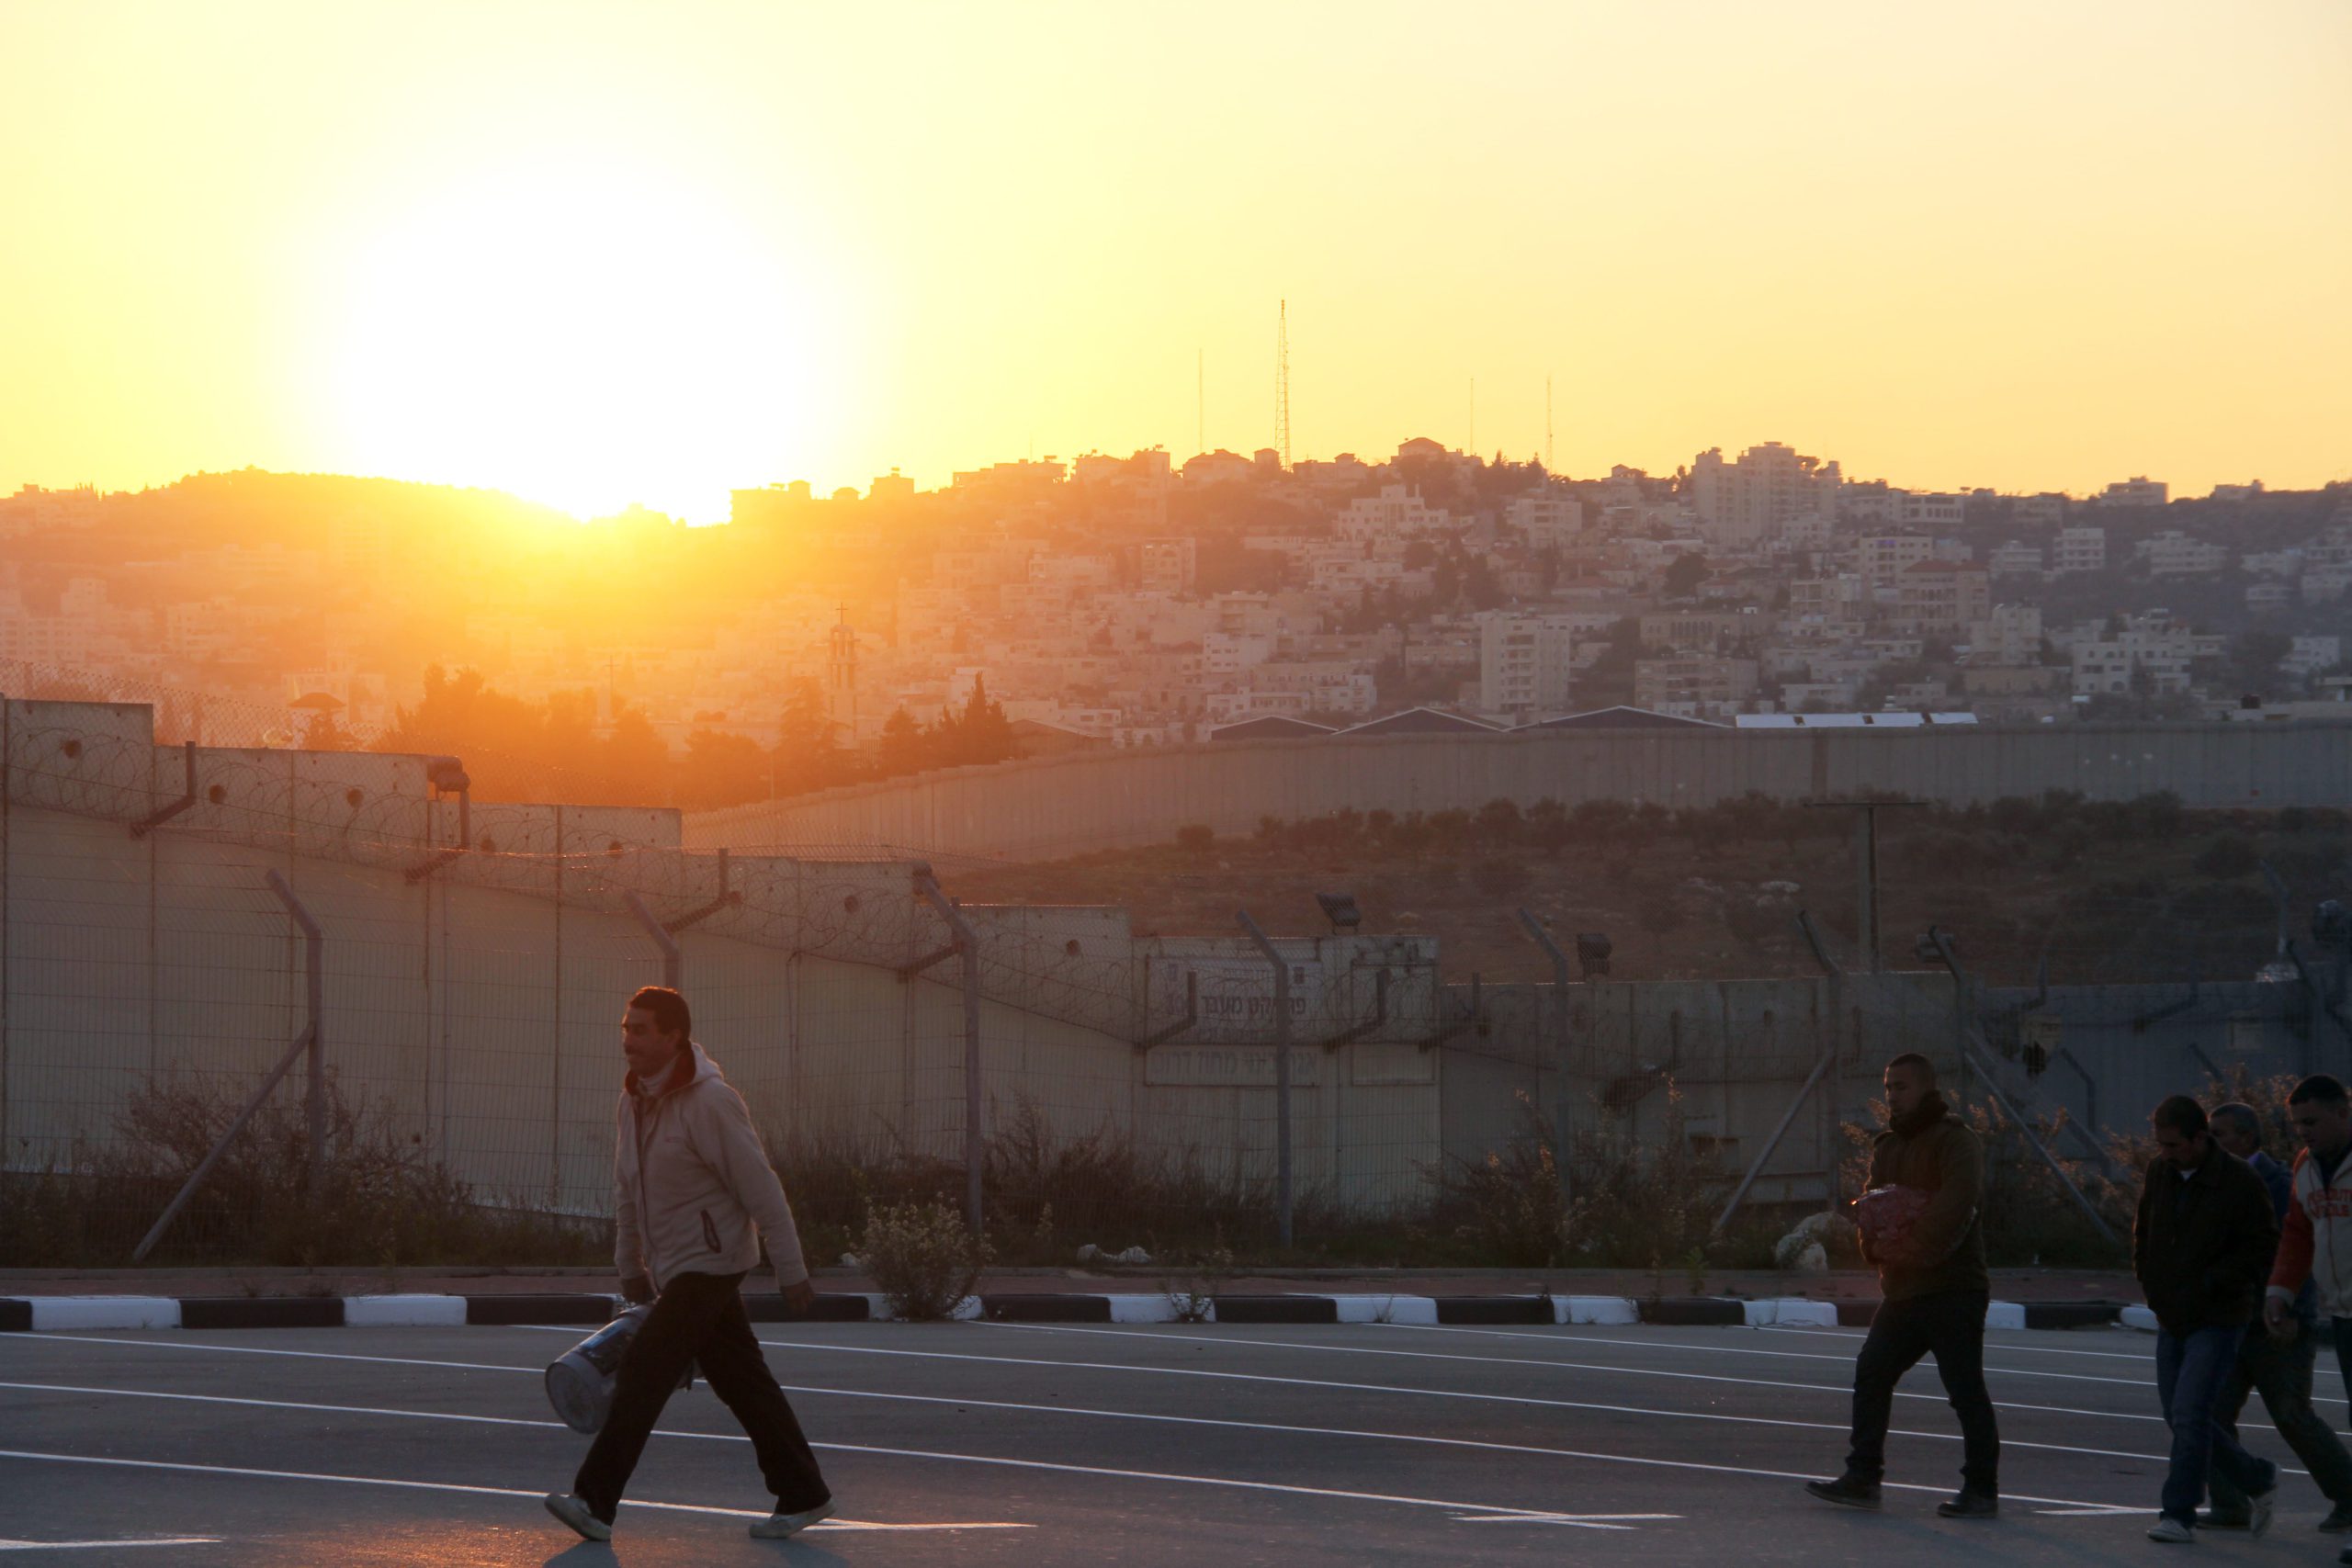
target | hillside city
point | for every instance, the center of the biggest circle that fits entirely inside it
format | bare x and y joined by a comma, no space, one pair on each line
1127,602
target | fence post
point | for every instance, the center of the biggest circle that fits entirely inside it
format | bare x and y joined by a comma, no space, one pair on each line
967,951
314,997
673,958
311,1039
1560,1046
1281,1077
1972,1040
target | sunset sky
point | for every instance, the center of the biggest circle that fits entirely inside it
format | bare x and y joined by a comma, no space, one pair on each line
598,254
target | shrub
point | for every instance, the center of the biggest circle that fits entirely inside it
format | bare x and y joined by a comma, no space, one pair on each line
922,1259
1498,876
1198,1275
382,1203
1498,822
1196,838
2228,856
1642,1204
1509,1204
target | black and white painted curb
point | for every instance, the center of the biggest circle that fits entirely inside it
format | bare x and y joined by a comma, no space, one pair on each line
43,1313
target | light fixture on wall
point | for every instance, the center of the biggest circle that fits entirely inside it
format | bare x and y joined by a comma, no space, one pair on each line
1341,909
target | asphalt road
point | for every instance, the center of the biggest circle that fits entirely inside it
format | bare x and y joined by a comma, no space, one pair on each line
979,1443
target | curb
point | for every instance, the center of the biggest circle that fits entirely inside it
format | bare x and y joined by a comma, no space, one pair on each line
50,1313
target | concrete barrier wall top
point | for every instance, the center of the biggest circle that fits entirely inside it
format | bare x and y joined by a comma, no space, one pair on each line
1079,802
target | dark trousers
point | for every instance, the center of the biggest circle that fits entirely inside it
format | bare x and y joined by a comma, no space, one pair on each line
2341,1329
2192,1372
699,1318
2281,1373
1949,1326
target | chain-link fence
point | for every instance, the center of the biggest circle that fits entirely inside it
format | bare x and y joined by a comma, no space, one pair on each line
1102,1085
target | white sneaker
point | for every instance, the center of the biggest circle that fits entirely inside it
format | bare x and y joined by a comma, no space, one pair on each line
2171,1531
2257,1508
777,1525
574,1512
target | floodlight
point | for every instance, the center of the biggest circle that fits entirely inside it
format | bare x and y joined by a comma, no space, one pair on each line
1341,909
1592,953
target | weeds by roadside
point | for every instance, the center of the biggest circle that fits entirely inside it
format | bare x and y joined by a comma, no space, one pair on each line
922,1259
383,1202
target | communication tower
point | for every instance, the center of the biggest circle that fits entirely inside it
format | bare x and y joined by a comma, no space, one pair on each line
1282,383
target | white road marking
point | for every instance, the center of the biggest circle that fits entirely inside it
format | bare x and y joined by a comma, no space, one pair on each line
1008,1360
1556,1339
845,1448
108,1545
1839,1390
472,1491
1549,1518
1804,1331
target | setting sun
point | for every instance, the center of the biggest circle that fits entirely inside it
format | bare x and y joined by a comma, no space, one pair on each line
584,336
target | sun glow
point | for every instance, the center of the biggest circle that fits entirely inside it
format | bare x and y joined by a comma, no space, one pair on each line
588,338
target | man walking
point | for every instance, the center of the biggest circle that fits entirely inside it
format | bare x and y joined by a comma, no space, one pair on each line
1935,1291
2277,1366
2200,1248
2315,1246
690,1182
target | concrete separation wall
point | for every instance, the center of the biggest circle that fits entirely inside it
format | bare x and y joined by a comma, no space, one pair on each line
1079,802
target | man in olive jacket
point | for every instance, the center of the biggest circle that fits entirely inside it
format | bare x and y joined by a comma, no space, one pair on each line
2202,1247
1935,1291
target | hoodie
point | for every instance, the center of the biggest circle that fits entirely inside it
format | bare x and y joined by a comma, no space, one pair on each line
692,1191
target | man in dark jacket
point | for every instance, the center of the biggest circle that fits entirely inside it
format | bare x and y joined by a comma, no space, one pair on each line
2278,1363
1934,1292
2201,1249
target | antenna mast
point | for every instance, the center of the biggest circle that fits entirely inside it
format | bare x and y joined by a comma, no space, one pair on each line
1200,399
1281,382
1548,468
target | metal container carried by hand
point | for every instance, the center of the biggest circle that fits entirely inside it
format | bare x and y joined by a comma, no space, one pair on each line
580,1382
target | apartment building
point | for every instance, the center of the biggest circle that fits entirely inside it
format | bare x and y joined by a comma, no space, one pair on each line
1524,661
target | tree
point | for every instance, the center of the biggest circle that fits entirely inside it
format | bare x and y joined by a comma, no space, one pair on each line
721,769
1684,575
979,734
323,734
806,729
902,749
2253,659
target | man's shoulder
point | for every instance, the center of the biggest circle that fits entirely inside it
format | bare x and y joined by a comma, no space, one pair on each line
2241,1174
712,1092
1951,1130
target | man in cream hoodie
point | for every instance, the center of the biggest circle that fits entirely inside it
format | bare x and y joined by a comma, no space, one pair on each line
690,1183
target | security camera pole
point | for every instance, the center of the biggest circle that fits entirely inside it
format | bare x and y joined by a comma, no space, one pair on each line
1866,872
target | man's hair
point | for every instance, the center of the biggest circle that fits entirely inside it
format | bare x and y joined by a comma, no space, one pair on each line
2324,1087
1917,1063
670,1014
2240,1117
2181,1115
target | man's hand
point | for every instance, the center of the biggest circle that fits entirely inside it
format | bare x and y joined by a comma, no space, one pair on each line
637,1290
2276,1311
800,1300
